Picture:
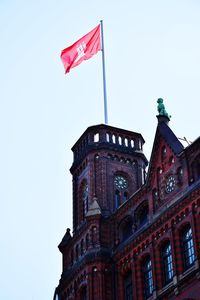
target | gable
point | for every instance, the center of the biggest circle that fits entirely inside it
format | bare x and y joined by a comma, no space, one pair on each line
166,166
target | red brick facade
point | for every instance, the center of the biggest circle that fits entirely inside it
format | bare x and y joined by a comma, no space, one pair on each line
136,234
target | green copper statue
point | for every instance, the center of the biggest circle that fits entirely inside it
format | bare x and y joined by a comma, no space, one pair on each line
161,108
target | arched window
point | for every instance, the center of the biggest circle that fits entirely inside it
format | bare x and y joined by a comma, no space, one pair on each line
96,137
128,288
107,137
188,247
163,153
147,277
94,235
117,199
180,175
132,143
125,228
125,196
155,198
113,139
85,199
141,214
166,257
143,175
171,160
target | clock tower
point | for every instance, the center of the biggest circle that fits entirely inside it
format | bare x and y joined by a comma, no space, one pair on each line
134,236
109,165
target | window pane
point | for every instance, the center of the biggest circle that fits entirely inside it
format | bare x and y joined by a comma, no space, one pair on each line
117,198
167,263
188,247
148,278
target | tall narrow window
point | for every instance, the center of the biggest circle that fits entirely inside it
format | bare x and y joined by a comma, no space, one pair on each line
163,153
94,235
126,228
113,138
128,288
180,175
148,278
117,198
132,143
125,196
166,256
96,137
85,199
83,294
143,175
142,215
155,198
188,247
107,137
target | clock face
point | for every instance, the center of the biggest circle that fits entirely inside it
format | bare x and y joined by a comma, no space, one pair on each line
120,182
170,185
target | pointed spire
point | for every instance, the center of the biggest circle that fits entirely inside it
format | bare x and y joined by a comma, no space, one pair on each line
67,237
94,208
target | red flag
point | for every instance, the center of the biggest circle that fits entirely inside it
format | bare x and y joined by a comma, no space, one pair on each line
81,50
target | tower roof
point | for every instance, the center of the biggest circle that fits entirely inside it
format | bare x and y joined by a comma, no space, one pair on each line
96,128
103,136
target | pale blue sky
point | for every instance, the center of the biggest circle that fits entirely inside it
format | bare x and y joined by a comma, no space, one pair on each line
152,50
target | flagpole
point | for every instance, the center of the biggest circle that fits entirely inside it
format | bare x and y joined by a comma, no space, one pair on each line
104,75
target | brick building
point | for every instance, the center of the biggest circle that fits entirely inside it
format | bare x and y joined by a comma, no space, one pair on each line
136,234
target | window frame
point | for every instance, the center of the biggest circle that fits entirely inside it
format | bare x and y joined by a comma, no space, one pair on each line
187,243
147,277
167,262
